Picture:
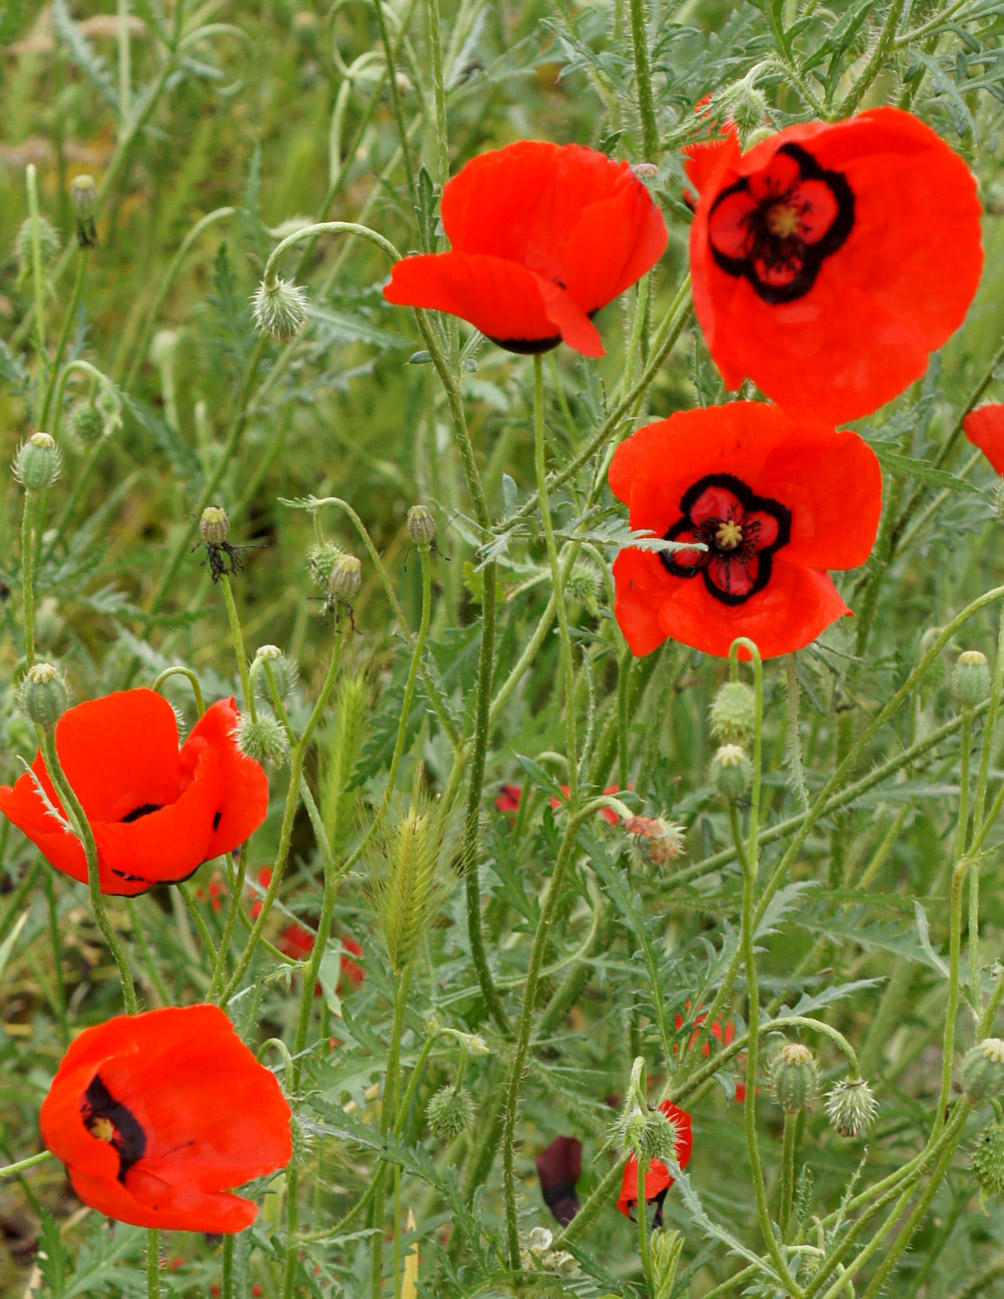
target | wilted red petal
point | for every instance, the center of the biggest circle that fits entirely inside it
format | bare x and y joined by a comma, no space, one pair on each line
558,1167
984,427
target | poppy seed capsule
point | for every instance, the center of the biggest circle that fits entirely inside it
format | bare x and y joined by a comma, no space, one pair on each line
262,739
214,526
733,714
970,678
36,465
346,577
421,526
987,1159
83,195
850,1107
983,1070
280,308
43,695
794,1077
450,1111
731,772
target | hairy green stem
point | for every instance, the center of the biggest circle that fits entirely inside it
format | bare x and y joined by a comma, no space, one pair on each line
152,1263
643,81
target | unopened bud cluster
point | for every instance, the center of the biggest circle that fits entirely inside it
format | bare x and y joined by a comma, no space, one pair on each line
43,695
794,1077
450,1111
970,682
982,1070
36,465
851,1107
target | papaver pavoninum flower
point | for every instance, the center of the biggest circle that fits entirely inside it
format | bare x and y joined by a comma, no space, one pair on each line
657,1177
156,812
157,1115
542,236
716,1032
775,502
832,258
984,427
558,1167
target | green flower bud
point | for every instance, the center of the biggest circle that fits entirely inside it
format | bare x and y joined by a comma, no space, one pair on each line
983,1070
346,577
48,241
87,424
421,525
731,772
43,695
583,587
749,110
262,739
83,195
36,465
449,1112
321,561
794,1077
971,678
733,714
214,526
851,1107
987,1160
654,1138
283,670
280,308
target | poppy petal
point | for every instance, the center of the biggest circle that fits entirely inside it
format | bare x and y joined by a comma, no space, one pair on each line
984,427
244,803
159,1204
642,585
598,267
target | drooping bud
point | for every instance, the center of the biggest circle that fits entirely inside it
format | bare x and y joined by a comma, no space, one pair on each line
87,424
450,1111
421,526
749,110
657,840
346,577
36,465
43,695
48,242
283,670
279,309
321,560
987,1160
982,1070
731,772
263,738
851,1107
666,1247
794,1077
733,714
214,526
971,678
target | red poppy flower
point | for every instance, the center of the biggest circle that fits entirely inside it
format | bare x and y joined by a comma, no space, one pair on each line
508,799
657,1178
558,1168
716,1033
156,813
157,1115
542,236
984,427
774,501
832,258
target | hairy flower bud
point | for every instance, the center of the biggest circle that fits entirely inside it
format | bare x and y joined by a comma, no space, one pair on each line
321,560
346,577
449,1112
651,1135
971,678
733,714
43,695
421,526
794,1077
982,1070
987,1160
731,772
283,670
36,465
214,526
48,243
279,309
262,738
851,1107
87,424
583,586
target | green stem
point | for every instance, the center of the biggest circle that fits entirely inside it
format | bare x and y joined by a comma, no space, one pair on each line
14,1170
238,640
433,28
789,1145
37,280
77,818
388,1112
28,574
643,79
594,1206
227,1288
64,334
877,62
152,1263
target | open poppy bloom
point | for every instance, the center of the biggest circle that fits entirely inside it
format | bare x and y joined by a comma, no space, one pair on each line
558,1168
157,1115
771,501
984,427
542,236
657,1178
830,259
720,1037
156,812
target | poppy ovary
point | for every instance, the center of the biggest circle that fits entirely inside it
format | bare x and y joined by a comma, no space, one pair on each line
103,1129
782,219
728,535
